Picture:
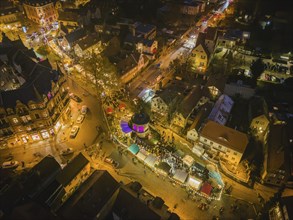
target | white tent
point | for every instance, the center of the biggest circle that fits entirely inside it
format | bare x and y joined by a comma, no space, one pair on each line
188,160
194,182
180,176
141,156
198,150
151,160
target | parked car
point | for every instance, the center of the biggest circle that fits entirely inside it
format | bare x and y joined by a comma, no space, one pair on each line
109,160
74,131
83,109
75,97
67,151
80,119
10,164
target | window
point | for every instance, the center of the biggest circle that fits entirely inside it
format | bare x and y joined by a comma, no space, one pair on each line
24,119
15,120
220,146
235,153
205,140
211,143
228,151
202,57
37,116
233,158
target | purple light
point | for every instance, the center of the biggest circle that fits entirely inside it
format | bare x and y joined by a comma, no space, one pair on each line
134,127
49,95
140,129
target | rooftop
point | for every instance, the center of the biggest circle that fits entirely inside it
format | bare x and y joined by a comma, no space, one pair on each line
172,91
75,35
91,197
201,116
127,206
225,136
72,169
190,101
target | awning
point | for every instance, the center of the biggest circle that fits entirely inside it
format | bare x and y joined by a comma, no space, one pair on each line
151,160
180,176
134,148
206,189
194,182
125,127
188,160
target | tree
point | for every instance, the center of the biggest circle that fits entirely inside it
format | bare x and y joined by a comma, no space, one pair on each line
101,72
257,68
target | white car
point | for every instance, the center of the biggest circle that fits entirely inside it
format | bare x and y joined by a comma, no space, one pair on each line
67,151
80,119
10,164
74,131
83,109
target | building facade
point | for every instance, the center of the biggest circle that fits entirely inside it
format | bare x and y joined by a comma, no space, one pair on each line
225,143
40,12
36,110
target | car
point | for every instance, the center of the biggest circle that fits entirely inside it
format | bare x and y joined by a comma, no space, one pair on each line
114,163
74,131
10,164
109,160
83,109
67,151
80,119
75,97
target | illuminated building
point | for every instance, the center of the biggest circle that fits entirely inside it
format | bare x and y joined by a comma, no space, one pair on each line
140,124
10,16
41,12
224,142
36,104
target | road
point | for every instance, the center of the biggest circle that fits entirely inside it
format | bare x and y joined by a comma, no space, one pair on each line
87,133
186,207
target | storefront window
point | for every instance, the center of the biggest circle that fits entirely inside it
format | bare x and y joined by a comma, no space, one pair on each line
36,137
57,126
45,134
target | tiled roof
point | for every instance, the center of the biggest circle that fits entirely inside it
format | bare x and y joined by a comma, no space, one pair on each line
172,91
225,136
72,169
190,101
91,197
129,207
88,41
76,35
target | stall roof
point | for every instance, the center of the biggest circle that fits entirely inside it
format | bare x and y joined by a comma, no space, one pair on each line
194,182
151,160
188,160
133,148
165,167
180,176
206,189
141,156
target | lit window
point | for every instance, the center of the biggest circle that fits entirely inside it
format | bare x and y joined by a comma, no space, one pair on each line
15,120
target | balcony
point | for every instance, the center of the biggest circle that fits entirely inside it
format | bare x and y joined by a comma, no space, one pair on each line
23,113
